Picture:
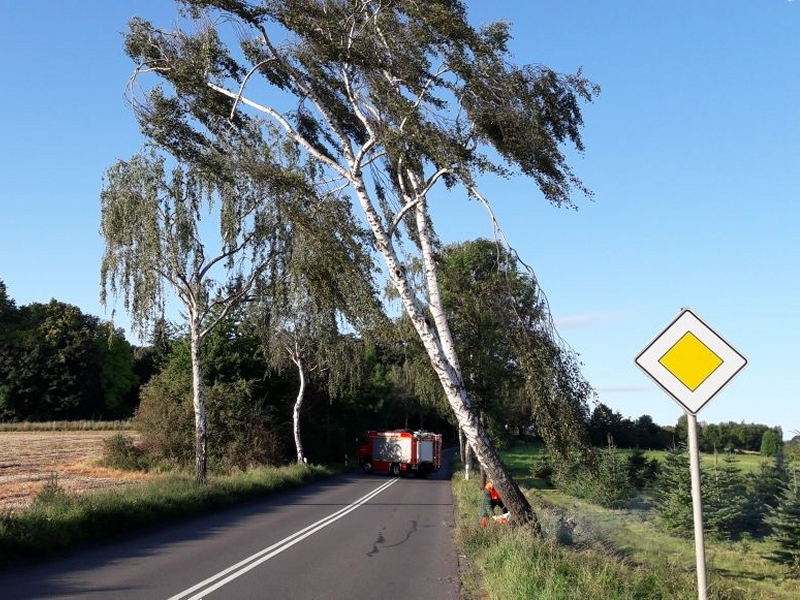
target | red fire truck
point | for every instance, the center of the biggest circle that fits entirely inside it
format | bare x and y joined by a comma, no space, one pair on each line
401,451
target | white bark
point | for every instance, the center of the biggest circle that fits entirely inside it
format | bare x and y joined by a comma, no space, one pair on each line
298,405
198,400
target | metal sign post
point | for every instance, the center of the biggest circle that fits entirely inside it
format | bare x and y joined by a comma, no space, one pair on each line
697,507
691,363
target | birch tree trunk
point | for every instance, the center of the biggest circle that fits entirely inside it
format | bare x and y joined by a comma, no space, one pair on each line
298,405
198,401
437,341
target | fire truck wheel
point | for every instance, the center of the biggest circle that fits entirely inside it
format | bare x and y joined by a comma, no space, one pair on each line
395,469
367,466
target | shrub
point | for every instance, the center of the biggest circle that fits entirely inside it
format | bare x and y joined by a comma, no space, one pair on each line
51,494
609,485
239,426
543,469
120,452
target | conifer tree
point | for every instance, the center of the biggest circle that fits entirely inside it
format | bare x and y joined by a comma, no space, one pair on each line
673,492
724,499
785,523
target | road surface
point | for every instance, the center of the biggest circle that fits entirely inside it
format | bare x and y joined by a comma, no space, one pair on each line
350,537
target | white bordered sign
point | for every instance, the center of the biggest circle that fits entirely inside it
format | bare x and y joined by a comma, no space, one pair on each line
690,361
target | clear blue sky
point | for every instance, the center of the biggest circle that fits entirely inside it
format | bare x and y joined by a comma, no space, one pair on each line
692,151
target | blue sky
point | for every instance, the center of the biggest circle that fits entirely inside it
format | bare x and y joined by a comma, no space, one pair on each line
692,152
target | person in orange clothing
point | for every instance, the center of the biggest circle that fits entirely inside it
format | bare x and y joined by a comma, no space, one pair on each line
491,499
494,498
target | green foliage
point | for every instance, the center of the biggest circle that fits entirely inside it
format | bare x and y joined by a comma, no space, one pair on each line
58,363
608,483
51,495
121,452
771,443
785,524
515,374
735,436
725,497
240,429
673,493
642,471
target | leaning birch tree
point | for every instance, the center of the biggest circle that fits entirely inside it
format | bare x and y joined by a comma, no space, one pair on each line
393,99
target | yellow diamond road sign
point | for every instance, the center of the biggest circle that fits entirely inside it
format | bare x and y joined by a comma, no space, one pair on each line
690,362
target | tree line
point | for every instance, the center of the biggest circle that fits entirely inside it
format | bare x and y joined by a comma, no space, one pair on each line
57,363
606,425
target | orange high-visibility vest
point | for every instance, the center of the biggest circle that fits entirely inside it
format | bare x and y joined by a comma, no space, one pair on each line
492,492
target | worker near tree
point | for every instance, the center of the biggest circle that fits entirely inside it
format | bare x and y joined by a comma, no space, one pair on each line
491,499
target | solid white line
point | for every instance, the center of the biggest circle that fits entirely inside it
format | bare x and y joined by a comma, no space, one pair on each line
264,555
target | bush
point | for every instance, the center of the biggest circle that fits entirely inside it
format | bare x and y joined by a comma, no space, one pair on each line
642,471
239,427
609,485
51,494
543,469
120,452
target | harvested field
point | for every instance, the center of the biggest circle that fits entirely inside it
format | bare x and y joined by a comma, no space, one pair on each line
29,459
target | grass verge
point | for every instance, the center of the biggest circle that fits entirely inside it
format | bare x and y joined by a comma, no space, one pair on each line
57,520
589,552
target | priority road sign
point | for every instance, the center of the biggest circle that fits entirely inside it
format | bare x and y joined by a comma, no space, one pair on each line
690,361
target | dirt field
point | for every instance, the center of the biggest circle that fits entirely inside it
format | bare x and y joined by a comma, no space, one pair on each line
28,460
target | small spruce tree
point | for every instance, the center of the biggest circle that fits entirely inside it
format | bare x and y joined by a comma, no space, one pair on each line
724,499
673,493
785,523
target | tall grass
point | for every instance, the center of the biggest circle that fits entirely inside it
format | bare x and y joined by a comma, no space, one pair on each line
590,552
57,520
83,425
569,562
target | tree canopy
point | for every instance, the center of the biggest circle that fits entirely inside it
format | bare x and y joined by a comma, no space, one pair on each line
382,100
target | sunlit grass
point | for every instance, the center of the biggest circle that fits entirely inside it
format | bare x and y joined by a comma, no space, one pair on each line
591,552
58,520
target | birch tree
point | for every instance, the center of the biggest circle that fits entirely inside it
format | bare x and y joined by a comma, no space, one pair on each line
326,279
155,243
395,100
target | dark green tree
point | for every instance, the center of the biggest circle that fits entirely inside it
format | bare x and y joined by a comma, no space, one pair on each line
59,363
725,499
117,375
770,443
515,375
785,524
673,493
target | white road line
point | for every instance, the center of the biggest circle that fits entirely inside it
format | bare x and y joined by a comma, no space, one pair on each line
264,555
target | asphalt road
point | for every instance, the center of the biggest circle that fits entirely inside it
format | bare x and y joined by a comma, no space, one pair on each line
349,537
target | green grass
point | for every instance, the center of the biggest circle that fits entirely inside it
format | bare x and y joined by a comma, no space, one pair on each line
58,521
746,462
591,552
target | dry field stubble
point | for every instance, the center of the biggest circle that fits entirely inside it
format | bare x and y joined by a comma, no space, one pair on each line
29,459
